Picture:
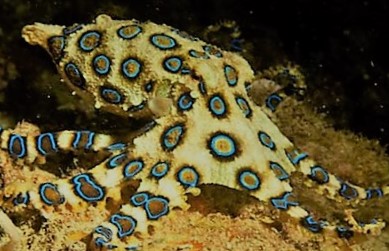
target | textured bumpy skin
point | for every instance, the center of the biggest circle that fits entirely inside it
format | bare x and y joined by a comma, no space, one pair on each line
205,130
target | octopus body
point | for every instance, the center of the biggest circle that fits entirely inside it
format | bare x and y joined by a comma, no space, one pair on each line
204,129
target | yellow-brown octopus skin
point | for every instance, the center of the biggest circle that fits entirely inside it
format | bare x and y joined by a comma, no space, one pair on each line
205,130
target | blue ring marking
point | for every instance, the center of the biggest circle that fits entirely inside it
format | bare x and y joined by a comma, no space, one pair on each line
104,231
116,146
159,170
74,75
71,29
139,199
168,41
312,225
104,69
52,141
164,211
374,192
213,144
129,31
136,108
133,247
56,46
21,141
230,75
279,171
78,182
319,174
172,136
244,106
344,232
185,102
136,68
217,106
149,86
249,180
188,176
348,192
202,88
198,54
236,44
122,232
116,160
283,202
89,35
266,140
111,95
273,101
211,50
185,70
78,137
295,156
21,199
132,168
172,64
100,242
48,201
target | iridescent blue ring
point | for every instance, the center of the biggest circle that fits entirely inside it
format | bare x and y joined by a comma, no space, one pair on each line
135,64
254,183
185,102
169,42
129,31
172,64
228,141
107,64
183,174
111,95
86,35
159,170
265,140
132,168
217,106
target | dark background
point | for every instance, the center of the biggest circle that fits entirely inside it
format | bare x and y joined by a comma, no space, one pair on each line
342,47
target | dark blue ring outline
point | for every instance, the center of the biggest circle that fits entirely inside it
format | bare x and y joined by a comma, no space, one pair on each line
84,36
295,160
373,192
130,36
227,69
53,142
311,224
313,176
114,220
193,171
243,102
42,189
344,187
71,29
78,185
165,143
154,41
202,88
149,86
116,146
25,199
95,64
79,81
283,202
143,195
283,174
106,92
246,186
157,174
344,232
138,162
172,69
211,105
78,137
216,152
165,211
22,143
270,98
185,97
196,54
104,231
113,161
57,57
263,137
137,63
